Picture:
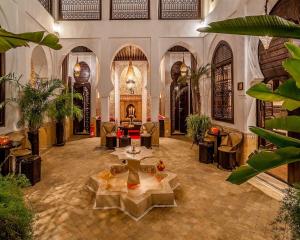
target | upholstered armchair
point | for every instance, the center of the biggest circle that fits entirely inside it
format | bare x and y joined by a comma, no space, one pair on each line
228,150
147,131
20,149
110,129
108,135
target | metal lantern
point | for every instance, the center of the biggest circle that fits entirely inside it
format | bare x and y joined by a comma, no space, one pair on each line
130,76
184,68
77,69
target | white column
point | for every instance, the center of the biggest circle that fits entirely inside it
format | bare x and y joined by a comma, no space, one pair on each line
105,108
117,74
144,92
105,83
155,79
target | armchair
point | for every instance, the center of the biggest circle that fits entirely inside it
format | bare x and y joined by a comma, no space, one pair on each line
228,150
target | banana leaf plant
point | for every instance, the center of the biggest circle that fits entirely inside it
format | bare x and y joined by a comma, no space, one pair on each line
194,76
261,25
288,149
9,40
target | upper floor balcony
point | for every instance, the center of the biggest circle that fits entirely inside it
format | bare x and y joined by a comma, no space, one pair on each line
124,9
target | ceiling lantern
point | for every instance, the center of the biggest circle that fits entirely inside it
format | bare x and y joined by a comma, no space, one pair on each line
77,69
130,76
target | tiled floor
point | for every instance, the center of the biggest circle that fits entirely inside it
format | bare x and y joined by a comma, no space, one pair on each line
208,206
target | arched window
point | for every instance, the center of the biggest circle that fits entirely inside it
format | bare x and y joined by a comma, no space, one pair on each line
222,83
2,89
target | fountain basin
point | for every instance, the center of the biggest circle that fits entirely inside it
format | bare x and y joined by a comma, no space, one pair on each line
156,189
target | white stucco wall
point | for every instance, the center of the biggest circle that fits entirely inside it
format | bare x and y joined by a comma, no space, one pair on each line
154,37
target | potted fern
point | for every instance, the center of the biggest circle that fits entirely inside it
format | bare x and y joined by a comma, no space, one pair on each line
61,108
197,126
34,101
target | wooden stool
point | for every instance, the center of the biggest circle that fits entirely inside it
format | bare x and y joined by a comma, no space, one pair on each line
227,160
4,154
31,167
206,151
124,141
146,141
111,142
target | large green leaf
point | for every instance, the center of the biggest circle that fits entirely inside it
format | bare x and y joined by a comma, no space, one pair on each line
275,138
293,49
290,123
287,92
10,40
264,161
262,25
292,66
242,174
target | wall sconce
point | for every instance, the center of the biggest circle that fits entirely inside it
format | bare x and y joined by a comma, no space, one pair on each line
56,28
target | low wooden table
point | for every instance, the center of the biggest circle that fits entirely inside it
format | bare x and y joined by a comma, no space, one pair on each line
218,140
111,142
124,141
206,151
30,166
146,141
4,153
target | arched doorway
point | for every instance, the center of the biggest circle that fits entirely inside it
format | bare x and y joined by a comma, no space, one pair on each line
79,74
176,101
179,101
130,76
270,61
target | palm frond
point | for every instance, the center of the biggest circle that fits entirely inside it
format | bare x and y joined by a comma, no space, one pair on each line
261,25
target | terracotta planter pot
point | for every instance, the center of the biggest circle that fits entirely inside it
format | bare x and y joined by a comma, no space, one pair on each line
33,138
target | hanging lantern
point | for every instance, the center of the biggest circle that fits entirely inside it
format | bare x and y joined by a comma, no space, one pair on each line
130,76
184,68
77,69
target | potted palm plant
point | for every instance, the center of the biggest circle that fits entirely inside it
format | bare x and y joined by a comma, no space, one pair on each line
61,108
34,101
194,76
197,126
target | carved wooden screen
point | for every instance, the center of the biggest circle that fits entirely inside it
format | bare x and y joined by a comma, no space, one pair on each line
180,9
2,89
129,9
80,9
222,83
47,4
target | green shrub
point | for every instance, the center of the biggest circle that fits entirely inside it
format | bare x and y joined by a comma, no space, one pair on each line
15,218
287,223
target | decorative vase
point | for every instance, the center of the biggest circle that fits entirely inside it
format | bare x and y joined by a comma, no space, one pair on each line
60,132
33,138
161,166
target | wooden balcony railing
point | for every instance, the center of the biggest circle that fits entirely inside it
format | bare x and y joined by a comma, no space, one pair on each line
179,9
80,9
129,9
47,4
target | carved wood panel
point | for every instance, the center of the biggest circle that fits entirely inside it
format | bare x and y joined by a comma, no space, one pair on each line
222,83
80,9
179,9
129,9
